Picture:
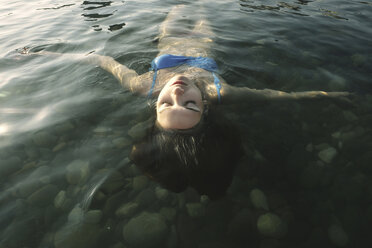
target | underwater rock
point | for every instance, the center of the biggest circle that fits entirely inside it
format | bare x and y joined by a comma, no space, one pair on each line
146,230
32,152
60,199
77,171
59,147
44,139
34,181
126,210
118,245
9,166
64,127
76,215
93,216
243,225
172,241
195,209
102,130
269,243
338,236
114,182
114,201
204,199
77,236
270,225
259,199
350,116
358,60
139,183
161,193
44,196
121,142
328,154
146,198
168,213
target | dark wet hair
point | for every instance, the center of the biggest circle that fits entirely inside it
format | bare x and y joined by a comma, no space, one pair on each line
203,157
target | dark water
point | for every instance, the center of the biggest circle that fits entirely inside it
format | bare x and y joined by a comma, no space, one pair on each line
66,128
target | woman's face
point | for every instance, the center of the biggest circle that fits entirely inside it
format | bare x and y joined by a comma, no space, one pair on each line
180,104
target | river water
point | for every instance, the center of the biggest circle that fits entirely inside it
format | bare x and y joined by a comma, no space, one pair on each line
66,128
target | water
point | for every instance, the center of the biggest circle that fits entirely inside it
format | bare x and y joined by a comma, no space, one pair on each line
66,128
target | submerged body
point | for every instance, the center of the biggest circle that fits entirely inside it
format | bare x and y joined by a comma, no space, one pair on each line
191,143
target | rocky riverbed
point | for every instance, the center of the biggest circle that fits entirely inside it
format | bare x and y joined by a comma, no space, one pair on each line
305,182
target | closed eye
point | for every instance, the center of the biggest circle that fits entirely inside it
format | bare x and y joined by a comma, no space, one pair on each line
191,105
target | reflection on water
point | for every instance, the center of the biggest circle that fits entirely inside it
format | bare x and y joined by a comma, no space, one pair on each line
66,130
104,6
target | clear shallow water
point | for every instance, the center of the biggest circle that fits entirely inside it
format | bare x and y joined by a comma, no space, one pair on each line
66,128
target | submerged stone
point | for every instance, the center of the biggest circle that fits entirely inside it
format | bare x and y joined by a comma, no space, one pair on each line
328,154
126,210
259,199
338,236
77,171
195,209
44,139
146,230
93,216
271,225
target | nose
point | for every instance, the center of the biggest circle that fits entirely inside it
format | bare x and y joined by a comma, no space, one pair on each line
178,91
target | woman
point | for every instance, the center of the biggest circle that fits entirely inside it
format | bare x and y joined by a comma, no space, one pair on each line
190,143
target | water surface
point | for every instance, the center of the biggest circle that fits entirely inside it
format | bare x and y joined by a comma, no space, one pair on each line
66,128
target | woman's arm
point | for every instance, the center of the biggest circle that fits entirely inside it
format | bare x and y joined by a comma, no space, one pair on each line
128,78
232,94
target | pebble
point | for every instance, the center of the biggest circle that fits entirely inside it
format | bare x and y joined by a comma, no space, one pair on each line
161,193
93,216
358,59
338,236
168,213
350,116
328,154
139,183
44,196
204,199
60,199
76,215
77,171
242,225
77,236
146,230
126,210
309,147
44,139
64,127
59,147
102,130
258,199
270,225
114,181
118,245
9,166
121,142
195,209
269,243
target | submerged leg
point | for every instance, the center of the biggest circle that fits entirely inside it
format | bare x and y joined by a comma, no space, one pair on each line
202,27
171,26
